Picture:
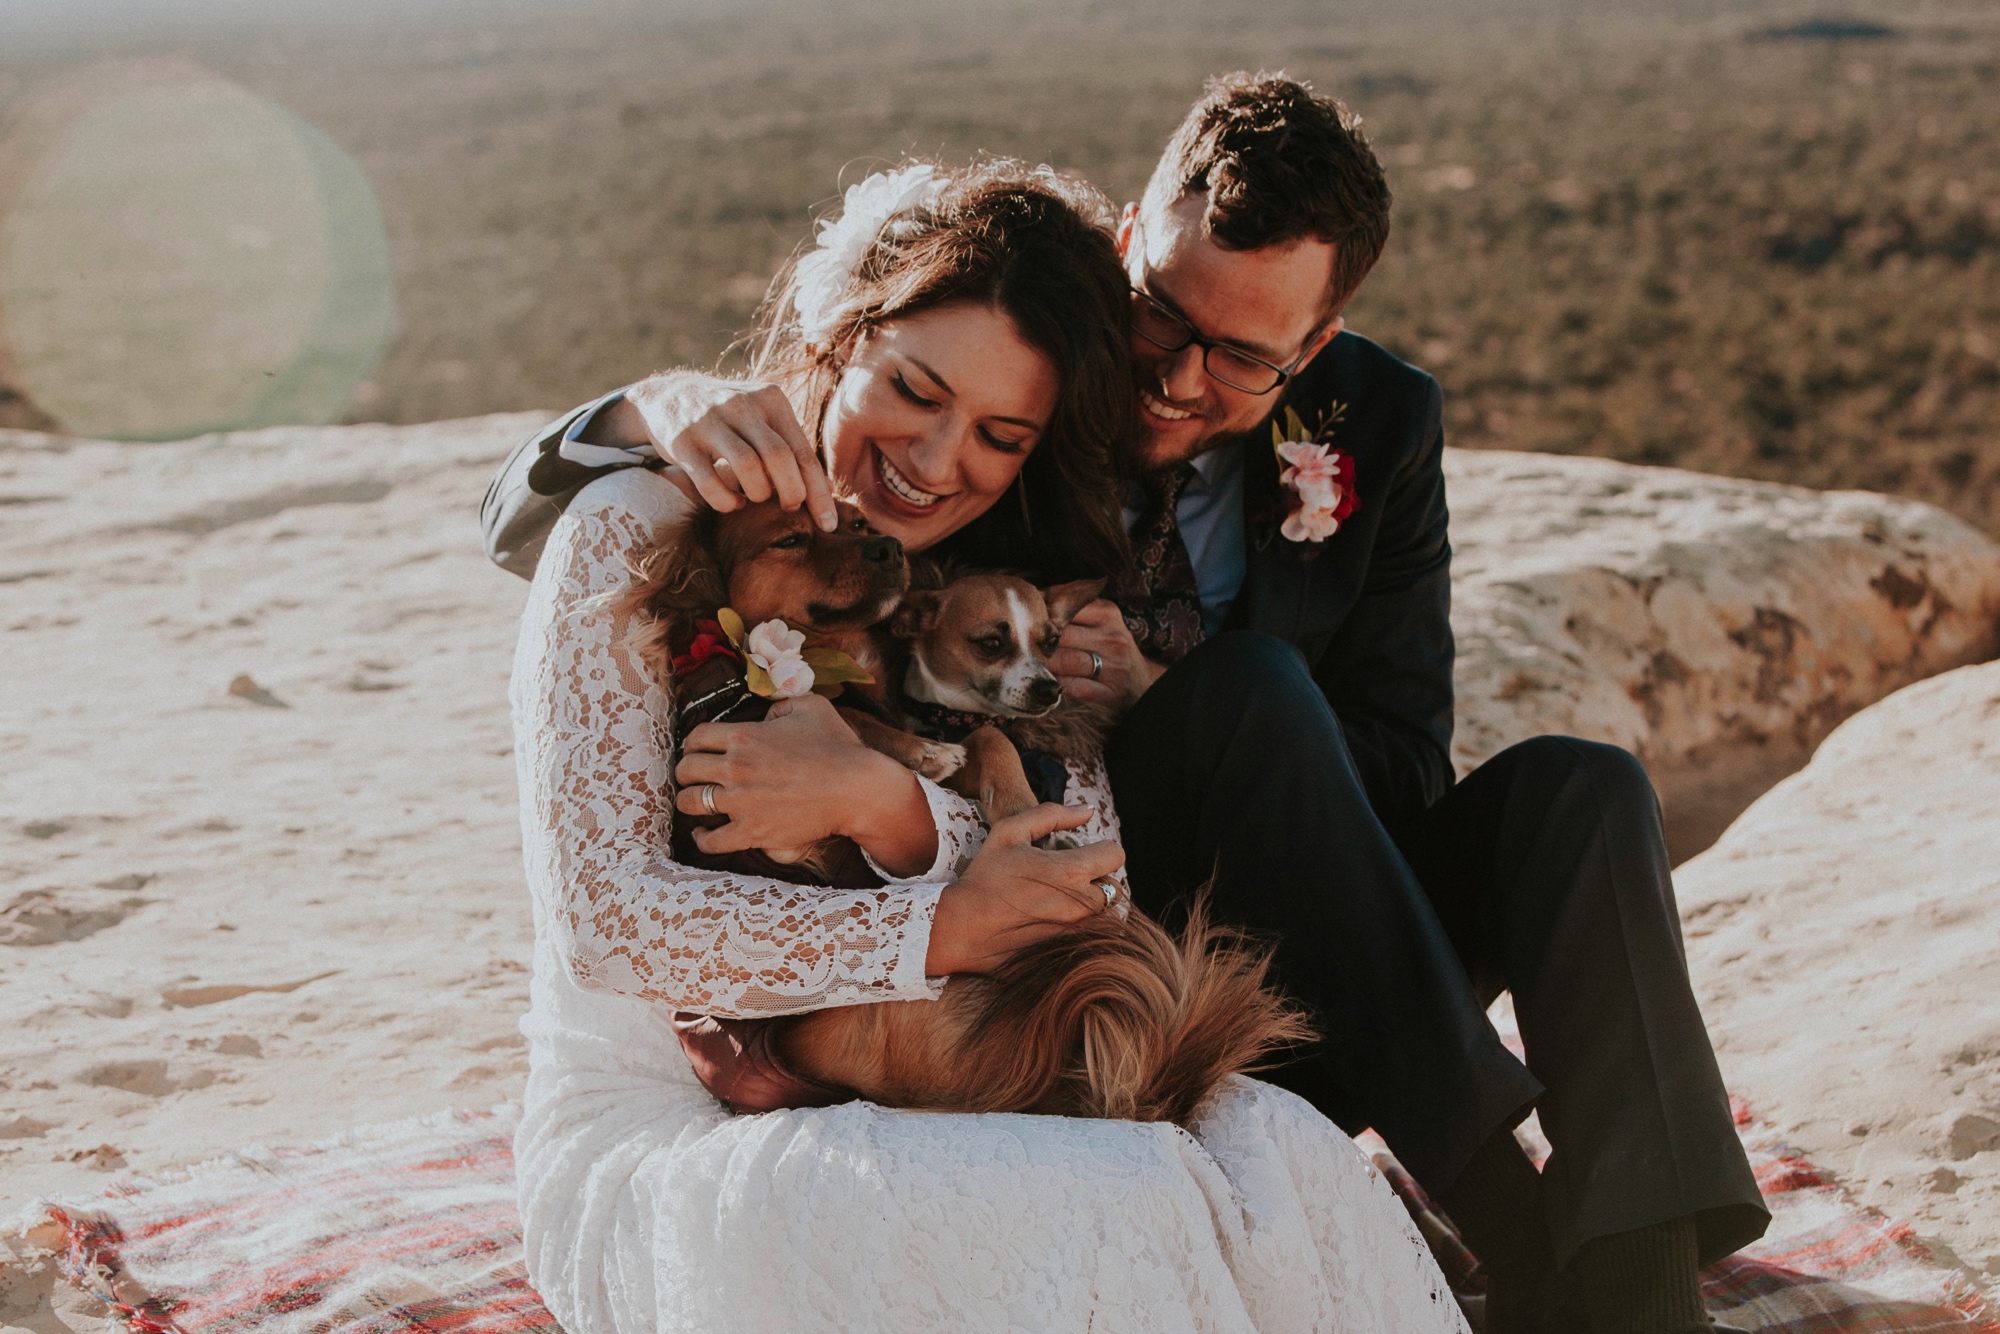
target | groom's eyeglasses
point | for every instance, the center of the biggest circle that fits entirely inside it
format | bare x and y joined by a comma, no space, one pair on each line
1227,364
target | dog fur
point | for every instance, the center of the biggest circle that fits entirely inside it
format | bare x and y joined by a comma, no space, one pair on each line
768,564
1113,1017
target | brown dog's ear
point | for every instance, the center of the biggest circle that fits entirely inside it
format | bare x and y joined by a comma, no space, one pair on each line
1066,600
675,581
917,616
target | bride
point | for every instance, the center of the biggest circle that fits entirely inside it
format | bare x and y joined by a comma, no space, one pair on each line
956,344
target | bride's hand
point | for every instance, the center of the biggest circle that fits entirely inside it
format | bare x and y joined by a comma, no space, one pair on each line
800,776
1014,893
737,441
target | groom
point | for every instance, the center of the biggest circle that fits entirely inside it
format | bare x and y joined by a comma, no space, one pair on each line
1281,655
1286,731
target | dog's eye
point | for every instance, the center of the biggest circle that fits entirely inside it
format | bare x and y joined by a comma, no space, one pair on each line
858,526
991,643
1050,643
790,541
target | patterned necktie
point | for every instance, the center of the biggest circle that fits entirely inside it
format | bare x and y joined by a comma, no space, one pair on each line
1158,594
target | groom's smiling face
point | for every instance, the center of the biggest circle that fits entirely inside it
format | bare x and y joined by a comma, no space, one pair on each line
1270,303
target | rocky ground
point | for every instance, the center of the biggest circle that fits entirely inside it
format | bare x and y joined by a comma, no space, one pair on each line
259,861
1718,628
259,864
1845,939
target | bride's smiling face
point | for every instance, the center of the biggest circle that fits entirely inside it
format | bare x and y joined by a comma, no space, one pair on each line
932,418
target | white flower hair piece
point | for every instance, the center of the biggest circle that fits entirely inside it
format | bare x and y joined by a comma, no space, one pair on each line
821,279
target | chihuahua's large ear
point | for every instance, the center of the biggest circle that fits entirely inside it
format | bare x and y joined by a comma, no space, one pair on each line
1066,600
918,615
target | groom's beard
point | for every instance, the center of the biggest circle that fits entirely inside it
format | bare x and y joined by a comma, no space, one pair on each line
1160,450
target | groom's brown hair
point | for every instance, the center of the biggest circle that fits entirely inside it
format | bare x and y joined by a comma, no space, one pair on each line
1280,164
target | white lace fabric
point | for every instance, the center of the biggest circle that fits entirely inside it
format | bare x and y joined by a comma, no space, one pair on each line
597,758
646,1206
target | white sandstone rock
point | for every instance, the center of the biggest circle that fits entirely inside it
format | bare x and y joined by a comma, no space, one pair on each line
160,833
1844,938
1718,628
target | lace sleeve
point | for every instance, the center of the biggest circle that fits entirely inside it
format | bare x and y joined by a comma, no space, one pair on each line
960,836
593,752
1090,786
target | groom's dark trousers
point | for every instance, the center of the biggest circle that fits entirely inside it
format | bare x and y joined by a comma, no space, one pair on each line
1542,873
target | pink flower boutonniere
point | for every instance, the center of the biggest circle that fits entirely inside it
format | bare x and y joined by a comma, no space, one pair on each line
1320,478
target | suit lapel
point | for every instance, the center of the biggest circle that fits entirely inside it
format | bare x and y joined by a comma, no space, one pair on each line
1275,575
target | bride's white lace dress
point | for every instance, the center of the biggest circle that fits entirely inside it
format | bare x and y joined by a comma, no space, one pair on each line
648,1207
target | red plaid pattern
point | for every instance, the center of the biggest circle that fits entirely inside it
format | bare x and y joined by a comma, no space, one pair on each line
412,1229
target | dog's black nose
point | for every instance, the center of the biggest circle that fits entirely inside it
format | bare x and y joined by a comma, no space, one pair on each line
1045,693
882,550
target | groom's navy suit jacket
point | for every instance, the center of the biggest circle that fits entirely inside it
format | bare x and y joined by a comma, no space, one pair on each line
1369,608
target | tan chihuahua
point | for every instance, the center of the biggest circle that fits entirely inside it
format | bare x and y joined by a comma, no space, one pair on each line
978,683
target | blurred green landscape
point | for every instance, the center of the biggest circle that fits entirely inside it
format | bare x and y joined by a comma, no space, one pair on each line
1760,239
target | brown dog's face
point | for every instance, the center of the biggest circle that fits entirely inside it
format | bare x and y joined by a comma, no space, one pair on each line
983,643
780,565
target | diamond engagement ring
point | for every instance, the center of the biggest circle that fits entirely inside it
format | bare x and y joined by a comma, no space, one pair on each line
1096,663
708,798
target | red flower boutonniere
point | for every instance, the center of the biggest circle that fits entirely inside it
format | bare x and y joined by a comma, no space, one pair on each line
1319,477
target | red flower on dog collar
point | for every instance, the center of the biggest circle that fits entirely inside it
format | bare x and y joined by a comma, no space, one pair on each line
826,669
709,641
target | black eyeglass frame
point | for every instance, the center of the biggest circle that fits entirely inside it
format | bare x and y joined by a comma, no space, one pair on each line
1208,345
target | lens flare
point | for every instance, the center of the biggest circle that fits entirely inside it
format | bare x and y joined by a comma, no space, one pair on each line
180,255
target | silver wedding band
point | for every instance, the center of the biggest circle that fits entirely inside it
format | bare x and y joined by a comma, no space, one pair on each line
708,798
1110,891
1096,663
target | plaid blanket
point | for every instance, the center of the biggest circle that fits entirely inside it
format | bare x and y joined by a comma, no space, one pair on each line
404,1227
411,1229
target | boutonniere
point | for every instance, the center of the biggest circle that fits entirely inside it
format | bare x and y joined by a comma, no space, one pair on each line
1319,477
778,661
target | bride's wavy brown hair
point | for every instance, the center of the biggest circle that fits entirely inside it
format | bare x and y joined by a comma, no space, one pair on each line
1036,245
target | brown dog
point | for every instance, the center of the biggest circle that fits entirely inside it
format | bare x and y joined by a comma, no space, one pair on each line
1113,1017
768,564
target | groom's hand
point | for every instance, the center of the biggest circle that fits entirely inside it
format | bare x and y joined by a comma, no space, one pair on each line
739,442
1123,673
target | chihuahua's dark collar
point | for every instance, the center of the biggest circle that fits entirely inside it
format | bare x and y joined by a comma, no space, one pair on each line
1047,775
949,724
